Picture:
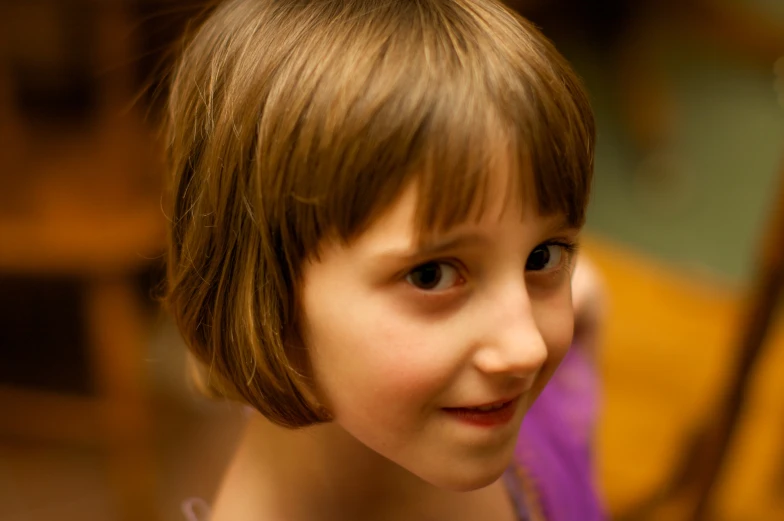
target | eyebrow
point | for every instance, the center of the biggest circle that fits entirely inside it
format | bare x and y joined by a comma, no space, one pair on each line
431,248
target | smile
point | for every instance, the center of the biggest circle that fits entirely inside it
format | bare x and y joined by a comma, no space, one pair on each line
486,408
489,415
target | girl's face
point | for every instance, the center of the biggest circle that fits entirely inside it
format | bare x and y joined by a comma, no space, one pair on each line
406,340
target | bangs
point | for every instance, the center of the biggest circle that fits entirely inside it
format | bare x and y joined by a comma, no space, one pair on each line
322,113
462,161
445,96
527,119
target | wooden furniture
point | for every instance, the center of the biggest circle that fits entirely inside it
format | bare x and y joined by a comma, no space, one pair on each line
83,202
104,249
689,495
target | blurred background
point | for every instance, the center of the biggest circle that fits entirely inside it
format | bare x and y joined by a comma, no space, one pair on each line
97,420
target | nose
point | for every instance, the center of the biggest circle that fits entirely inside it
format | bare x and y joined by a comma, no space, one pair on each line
512,344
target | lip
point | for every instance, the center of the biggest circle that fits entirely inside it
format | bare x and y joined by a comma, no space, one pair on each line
494,418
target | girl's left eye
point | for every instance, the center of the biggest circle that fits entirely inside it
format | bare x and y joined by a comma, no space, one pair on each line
433,276
545,257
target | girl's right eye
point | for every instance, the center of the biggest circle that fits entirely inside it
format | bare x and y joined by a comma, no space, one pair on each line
433,276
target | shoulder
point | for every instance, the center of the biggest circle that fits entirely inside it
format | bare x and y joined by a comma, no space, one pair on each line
195,509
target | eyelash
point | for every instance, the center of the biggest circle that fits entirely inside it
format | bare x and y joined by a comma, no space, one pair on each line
568,245
455,264
547,277
569,249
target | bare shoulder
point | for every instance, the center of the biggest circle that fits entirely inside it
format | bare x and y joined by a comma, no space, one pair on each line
589,298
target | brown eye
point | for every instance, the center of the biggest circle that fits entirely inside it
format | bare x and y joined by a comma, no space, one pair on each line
433,276
544,256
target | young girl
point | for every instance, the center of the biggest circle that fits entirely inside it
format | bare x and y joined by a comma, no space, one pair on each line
376,205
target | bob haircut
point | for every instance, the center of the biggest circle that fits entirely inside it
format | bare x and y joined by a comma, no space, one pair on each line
290,122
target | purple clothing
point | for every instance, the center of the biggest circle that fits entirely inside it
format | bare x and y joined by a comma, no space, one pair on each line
554,446
553,472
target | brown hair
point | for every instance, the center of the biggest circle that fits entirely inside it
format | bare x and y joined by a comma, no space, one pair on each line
290,121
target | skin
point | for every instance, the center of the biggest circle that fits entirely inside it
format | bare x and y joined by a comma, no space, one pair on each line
398,331
590,306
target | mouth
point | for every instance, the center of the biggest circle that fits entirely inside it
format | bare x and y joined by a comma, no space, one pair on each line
495,414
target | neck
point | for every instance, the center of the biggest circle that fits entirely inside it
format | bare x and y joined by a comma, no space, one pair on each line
322,472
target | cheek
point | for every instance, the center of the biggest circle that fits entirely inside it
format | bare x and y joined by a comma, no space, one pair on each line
370,362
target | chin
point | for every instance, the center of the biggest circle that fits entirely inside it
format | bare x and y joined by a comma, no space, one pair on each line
475,484
467,479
